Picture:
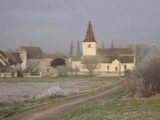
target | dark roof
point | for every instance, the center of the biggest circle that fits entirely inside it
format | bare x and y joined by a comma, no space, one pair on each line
33,52
13,57
108,55
90,34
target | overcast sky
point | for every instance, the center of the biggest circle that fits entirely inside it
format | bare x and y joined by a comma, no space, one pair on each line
52,24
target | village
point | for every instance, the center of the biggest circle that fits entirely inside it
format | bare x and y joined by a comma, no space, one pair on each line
79,60
31,61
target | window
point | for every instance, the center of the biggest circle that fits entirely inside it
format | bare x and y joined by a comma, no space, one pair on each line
89,45
125,67
116,68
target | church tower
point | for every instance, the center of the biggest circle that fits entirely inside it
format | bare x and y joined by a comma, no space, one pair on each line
89,43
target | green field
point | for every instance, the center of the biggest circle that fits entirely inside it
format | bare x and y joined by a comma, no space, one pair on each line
119,107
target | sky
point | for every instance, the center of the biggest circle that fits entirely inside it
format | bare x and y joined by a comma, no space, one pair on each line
53,24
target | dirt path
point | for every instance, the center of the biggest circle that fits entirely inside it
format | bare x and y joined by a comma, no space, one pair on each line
55,112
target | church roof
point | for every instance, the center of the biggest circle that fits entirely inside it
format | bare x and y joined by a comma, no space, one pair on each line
114,51
108,55
90,34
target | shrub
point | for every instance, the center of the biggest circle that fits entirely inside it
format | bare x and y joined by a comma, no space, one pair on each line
145,79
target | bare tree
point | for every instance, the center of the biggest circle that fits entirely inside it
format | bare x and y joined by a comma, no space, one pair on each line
71,52
90,63
75,70
103,44
112,44
141,51
78,51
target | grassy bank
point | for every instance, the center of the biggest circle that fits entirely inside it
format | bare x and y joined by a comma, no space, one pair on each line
119,107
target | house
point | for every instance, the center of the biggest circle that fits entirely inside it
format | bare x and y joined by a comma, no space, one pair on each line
3,61
108,60
10,64
35,61
30,56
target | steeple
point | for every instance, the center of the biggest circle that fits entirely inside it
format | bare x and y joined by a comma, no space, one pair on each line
90,34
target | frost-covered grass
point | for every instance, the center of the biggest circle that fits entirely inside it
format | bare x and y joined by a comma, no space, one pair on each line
119,107
20,94
19,91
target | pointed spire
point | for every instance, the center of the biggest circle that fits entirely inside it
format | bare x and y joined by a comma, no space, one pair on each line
90,34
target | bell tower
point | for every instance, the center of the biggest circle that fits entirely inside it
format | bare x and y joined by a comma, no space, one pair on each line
89,43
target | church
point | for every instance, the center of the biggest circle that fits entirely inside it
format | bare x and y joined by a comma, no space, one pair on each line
102,60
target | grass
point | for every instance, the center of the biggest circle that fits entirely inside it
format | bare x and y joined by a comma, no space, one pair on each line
10,109
7,110
119,107
54,79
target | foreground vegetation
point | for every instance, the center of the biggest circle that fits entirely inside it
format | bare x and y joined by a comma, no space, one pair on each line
17,95
119,107
144,81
